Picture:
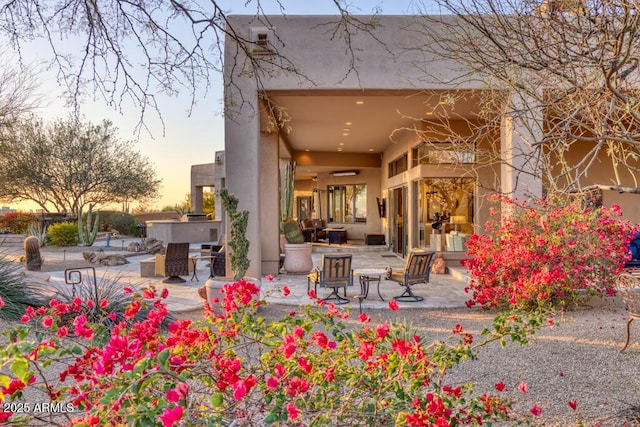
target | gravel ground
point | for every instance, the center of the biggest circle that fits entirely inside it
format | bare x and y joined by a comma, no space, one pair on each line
578,359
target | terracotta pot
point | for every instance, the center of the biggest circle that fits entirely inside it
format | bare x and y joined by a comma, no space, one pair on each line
297,258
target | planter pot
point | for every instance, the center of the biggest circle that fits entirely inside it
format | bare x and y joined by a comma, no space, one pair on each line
297,258
214,285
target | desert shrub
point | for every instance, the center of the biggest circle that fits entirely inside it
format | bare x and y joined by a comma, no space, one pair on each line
547,254
124,222
102,295
63,234
17,293
16,222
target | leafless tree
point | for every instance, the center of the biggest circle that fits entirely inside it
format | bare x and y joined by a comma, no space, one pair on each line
123,51
565,70
70,165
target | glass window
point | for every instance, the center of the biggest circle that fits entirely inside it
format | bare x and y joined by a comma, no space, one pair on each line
348,203
444,152
399,165
445,205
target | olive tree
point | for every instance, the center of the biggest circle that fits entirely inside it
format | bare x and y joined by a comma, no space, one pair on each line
70,165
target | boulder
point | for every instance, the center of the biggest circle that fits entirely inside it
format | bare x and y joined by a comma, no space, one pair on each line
103,259
153,246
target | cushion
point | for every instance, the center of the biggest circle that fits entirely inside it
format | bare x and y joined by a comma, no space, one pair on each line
292,231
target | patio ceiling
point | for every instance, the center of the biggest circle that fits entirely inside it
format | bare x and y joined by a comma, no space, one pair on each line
361,121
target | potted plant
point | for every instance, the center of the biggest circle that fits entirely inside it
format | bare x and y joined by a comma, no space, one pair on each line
297,253
238,249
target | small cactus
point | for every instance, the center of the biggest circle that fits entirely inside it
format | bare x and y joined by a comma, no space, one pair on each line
32,253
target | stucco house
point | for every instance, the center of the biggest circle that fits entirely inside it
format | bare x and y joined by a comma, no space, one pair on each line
367,132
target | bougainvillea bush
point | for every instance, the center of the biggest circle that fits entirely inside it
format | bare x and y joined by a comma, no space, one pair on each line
311,368
16,222
547,254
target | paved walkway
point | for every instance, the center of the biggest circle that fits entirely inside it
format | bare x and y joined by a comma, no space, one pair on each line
443,291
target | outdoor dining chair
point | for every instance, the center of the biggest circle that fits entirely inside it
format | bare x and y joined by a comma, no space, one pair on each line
174,263
417,269
335,273
628,287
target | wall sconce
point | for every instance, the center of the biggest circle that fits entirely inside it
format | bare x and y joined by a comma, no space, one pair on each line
345,173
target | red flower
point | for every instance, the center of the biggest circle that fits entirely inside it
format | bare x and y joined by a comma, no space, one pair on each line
47,321
170,416
304,365
393,305
269,277
292,411
312,294
1,302
285,290
165,293
364,318
573,404
500,386
62,332
523,387
382,330
536,410
127,290
104,303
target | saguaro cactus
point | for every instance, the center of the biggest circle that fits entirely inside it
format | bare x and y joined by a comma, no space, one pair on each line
88,229
32,253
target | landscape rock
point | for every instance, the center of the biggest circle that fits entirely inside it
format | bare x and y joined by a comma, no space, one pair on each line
103,259
153,246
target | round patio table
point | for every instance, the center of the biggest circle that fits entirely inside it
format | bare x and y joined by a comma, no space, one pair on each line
367,275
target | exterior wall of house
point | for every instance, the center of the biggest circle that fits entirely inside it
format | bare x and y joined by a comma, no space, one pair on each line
252,157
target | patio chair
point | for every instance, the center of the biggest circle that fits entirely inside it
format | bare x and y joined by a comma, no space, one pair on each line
416,270
174,263
335,273
628,286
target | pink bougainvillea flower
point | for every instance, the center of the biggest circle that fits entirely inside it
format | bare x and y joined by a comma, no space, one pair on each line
47,321
393,305
500,386
25,318
104,303
292,411
62,332
573,404
304,365
320,339
382,330
312,294
1,302
127,290
523,387
272,382
170,416
165,293
285,290
536,410
269,277
364,318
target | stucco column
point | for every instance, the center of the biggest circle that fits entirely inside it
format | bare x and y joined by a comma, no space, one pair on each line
519,171
269,204
242,165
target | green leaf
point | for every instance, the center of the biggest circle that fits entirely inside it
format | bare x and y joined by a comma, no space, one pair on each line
163,358
216,400
20,368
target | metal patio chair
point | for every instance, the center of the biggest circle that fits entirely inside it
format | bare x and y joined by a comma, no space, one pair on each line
417,269
336,273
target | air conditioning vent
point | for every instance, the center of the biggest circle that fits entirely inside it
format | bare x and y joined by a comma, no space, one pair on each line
262,40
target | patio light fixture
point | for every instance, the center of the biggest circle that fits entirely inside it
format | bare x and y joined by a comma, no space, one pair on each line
345,173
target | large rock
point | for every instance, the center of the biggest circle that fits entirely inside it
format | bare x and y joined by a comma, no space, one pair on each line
153,246
103,259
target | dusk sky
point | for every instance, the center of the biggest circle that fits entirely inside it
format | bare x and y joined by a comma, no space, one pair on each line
191,139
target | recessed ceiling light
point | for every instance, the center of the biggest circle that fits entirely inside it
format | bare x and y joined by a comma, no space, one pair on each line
370,149
359,102
306,149
340,149
429,113
346,130
342,143
347,123
345,133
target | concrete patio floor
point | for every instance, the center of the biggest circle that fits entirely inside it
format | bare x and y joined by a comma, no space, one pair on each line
443,291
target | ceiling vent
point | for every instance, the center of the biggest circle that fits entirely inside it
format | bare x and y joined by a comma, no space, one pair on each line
262,40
